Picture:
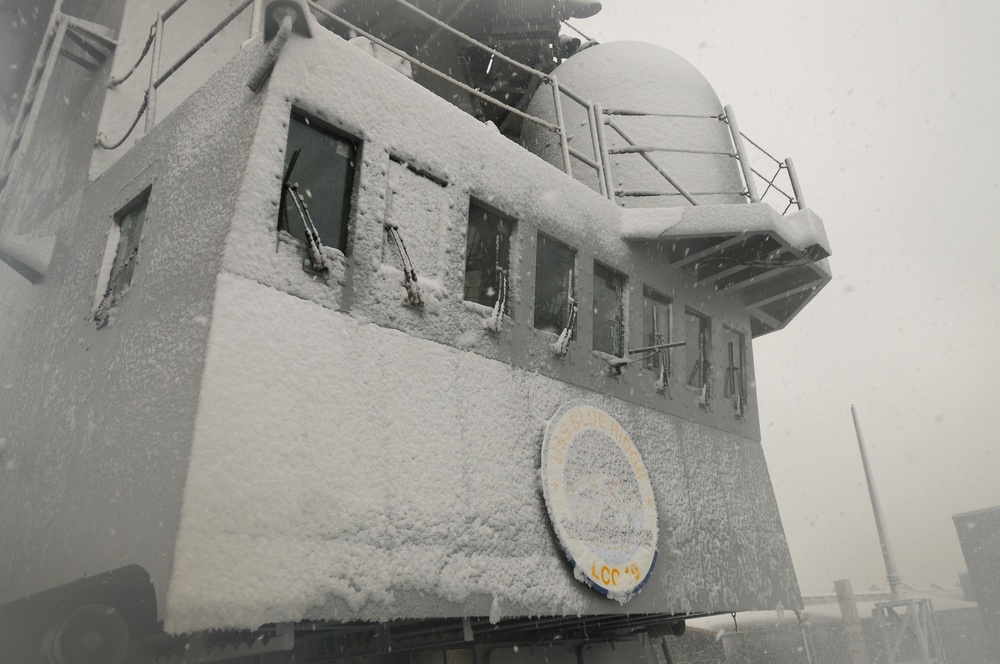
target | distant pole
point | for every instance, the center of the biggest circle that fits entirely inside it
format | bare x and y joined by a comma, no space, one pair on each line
856,649
895,580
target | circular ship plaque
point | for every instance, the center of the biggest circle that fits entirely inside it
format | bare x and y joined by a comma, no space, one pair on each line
600,500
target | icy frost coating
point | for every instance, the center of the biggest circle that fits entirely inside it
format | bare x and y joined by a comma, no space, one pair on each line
376,466
345,470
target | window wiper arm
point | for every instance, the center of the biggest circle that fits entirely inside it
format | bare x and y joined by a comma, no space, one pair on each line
618,363
103,313
282,215
314,244
413,295
647,349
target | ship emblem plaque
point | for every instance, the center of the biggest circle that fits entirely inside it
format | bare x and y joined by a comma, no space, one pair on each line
599,499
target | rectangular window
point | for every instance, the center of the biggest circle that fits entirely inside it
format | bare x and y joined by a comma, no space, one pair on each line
609,310
319,172
735,384
697,332
129,225
487,256
656,326
116,277
554,284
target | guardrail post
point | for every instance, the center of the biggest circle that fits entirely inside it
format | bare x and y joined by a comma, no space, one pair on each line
595,142
563,139
794,179
154,72
602,143
741,154
255,14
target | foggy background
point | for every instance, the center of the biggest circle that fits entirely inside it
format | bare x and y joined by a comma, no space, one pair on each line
889,112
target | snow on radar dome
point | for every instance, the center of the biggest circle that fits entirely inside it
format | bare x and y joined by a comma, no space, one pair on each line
635,76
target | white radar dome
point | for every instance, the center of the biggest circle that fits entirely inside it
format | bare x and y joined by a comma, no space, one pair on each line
658,101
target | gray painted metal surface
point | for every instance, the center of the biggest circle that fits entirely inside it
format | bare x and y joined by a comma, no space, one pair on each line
101,423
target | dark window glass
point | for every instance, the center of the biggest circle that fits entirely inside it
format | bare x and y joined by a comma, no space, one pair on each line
696,336
554,263
656,325
487,255
609,311
129,230
324,173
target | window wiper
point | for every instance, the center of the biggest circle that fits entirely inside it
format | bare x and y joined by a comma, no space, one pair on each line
663,355
735,383
495,322
561,345
740,397
314,244
103,312
282,215
618,363
413,295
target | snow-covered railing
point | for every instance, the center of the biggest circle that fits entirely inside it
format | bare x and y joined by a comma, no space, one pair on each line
154,43
597,117
597,120
738,152
783,166
557,90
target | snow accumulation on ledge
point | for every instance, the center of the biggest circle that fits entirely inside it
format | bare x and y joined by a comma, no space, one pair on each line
800,229
382,467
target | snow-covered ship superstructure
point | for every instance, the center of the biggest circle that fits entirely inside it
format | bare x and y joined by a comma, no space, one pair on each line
404,329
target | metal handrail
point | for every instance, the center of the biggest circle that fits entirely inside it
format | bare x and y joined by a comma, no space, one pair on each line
655,148
641,193
659,169
156,79
412,60
783,165
628,111
739,153
597,118
471,40
557,88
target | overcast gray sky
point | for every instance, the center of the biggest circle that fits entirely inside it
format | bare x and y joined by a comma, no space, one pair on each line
889,110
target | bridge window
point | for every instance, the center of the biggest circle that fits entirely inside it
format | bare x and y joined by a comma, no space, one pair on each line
609,310
697,333
319,179
487,256
124,237
554,284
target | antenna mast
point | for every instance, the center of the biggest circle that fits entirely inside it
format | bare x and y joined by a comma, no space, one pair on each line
895,580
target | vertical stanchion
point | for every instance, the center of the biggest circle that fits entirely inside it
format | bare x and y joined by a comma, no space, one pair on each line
794,179
602,143
800,617
741,154
595,142
563,139
154,72
255,18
